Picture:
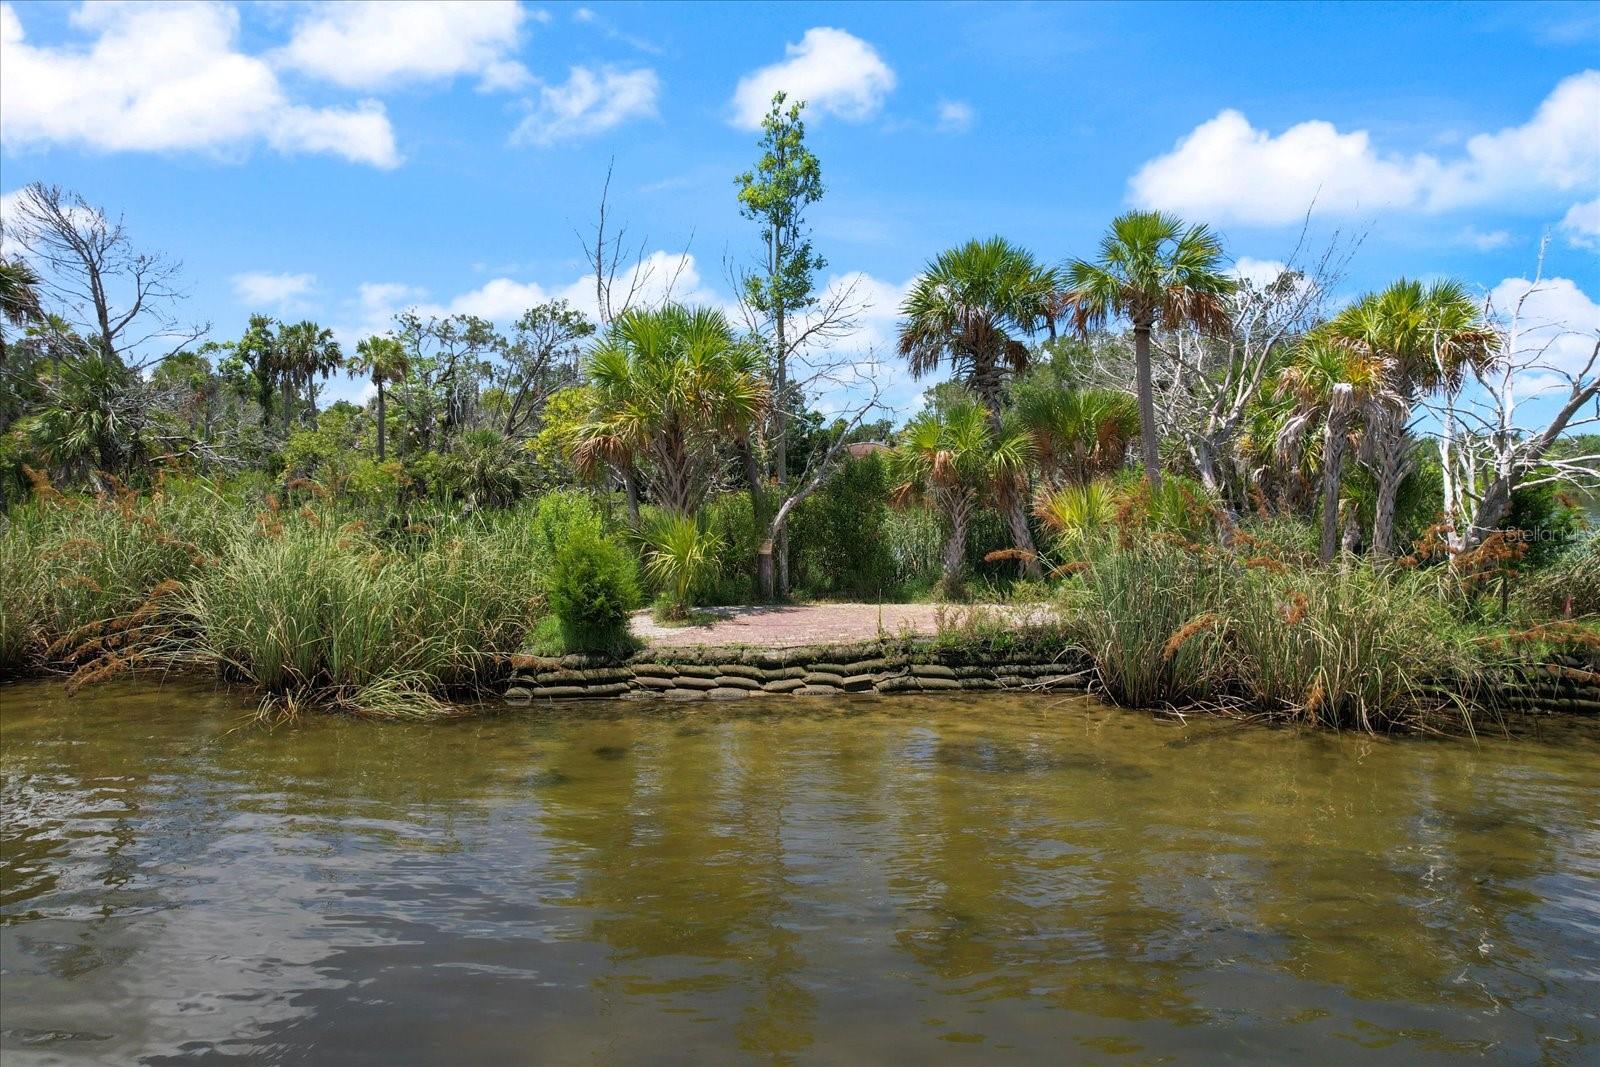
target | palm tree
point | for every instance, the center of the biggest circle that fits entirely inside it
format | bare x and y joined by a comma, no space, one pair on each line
1156,273
670,385
1330,382
949,456
1078,434
969,310
306,351
384,358
20,303
1424,338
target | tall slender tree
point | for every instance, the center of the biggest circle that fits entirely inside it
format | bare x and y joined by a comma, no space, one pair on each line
970,310
383,357
786,180
1158,274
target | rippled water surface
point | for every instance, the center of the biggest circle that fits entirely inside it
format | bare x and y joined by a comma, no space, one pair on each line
875,880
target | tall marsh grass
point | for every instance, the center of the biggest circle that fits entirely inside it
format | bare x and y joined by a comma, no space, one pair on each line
302,603
1174,624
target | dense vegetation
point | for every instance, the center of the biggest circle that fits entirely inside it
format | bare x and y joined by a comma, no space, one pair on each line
1228,488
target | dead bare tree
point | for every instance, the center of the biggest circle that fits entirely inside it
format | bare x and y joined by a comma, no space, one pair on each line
1212,381
121,300
1485,450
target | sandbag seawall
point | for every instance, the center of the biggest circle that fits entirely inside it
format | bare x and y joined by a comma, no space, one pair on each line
727,674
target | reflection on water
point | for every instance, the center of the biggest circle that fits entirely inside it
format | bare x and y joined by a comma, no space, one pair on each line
1000,877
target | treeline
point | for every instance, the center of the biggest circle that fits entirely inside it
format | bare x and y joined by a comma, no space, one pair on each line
1075,414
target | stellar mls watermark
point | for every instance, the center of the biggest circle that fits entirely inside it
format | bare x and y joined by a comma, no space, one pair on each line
1539,534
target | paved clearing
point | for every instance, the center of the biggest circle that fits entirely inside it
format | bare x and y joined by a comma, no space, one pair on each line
787,626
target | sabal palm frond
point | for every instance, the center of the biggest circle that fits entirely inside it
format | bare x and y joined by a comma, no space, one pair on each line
971,308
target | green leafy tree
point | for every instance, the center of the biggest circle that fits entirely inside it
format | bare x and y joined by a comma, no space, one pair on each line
1158,274
540,358
970,310
786,180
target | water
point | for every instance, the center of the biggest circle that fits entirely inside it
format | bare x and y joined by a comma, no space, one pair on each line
883,880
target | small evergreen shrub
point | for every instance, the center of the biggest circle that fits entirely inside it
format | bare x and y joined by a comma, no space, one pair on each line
592,588
837,542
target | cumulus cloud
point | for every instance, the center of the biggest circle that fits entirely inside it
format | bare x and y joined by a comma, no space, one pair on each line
589,102
376,45
1484,240
835,72
1581,224
1228,170
167,77
956,116
261,289
653,280
1558,320
1258,272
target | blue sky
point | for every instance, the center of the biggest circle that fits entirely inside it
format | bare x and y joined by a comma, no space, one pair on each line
338,162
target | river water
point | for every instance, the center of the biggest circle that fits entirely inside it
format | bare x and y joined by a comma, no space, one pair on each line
962,879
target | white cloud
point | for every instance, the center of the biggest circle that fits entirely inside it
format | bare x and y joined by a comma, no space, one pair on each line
659,277
375,45
1557,318
866,357
167,77
1258,272
1228,170
835,72
590,102
1581,224
260,289
956,116
1484,241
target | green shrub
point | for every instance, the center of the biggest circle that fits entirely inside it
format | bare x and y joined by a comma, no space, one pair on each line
914,538
557,518
680,557
732,580
837,536
593,588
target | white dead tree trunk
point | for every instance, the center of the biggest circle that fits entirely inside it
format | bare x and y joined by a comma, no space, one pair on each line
1214,380
1487,451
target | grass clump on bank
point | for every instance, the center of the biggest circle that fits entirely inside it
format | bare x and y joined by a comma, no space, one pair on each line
1171,623
304,604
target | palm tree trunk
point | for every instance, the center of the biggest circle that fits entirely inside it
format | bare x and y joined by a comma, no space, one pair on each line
1332,470
630,485
381,421
1147,404
1391,473
955,549
1022,537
